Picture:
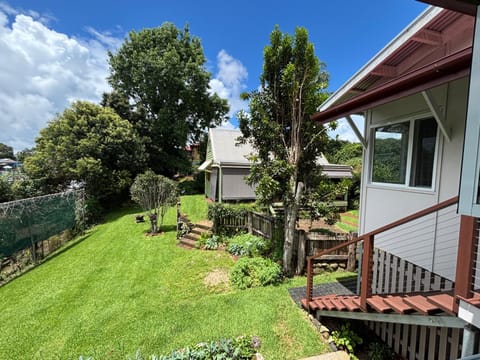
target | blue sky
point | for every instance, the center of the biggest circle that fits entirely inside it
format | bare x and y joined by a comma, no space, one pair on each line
54,52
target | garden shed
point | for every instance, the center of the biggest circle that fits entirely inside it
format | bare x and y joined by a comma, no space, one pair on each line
226,166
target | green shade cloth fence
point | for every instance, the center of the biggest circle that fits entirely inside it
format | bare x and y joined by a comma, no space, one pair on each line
28,221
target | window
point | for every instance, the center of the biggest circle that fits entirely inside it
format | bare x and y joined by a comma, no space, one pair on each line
404,153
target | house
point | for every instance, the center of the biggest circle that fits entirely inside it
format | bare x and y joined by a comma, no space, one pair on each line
7,165
227,165
419,204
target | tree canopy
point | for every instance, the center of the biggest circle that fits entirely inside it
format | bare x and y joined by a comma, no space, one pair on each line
161,73
6,151
293,85
87,144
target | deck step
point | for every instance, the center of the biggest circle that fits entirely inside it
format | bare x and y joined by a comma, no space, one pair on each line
398,304
349,303
329,304
338,304
446,302
421,304
378,303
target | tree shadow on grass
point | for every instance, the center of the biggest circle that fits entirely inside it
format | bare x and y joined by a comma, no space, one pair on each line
67,246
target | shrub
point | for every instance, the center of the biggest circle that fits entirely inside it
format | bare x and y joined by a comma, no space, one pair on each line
240,348
379,351
254,272
249,245
212,243
221,213
346,339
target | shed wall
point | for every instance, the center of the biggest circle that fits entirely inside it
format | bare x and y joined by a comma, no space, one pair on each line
234,186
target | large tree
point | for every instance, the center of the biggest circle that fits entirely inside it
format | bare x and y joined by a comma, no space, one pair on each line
87,144
278,125
6,152
161,72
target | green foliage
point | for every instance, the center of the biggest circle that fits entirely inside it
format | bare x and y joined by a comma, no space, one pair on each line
155,194
222,213
6,152
91,146
379,351
162,86
193,186
248,245
115,261
347,339
6,193
253,272
239,348
212,242
23,154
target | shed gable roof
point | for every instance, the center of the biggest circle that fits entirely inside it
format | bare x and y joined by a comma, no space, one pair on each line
225,147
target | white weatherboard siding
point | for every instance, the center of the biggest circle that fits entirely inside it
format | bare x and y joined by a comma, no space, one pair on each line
430,242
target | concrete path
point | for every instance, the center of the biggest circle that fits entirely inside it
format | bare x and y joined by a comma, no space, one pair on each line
338,355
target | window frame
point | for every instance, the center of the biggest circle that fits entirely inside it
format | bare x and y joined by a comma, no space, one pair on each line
410,151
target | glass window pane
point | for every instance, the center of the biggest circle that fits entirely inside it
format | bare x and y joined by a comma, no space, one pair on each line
424,141
390,153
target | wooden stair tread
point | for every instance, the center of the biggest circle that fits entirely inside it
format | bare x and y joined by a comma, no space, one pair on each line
328,304
378,303
349,302
421,304
398,304
338,304
444,301
318,304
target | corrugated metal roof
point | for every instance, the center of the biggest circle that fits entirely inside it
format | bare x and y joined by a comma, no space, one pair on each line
225,147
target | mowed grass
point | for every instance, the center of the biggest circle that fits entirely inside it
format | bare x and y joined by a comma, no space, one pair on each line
117,291
348,221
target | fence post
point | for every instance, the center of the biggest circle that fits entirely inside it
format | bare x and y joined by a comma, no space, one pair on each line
367,262
302,239
351,253
250,222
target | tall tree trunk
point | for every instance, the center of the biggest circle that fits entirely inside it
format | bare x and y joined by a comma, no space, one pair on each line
291,212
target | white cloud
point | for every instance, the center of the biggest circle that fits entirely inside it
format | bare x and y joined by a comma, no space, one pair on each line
345,132
230,82
42,71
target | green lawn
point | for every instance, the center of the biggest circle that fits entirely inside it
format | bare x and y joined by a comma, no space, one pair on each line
116,291
348,221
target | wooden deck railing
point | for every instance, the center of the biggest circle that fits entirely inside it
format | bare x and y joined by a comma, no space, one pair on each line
368,245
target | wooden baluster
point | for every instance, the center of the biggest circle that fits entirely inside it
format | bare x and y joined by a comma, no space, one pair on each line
367,263
309,281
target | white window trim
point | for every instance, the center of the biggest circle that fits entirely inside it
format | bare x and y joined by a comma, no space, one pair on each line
411,130
469,180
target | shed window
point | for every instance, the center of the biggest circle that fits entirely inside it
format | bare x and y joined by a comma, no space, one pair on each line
404,153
